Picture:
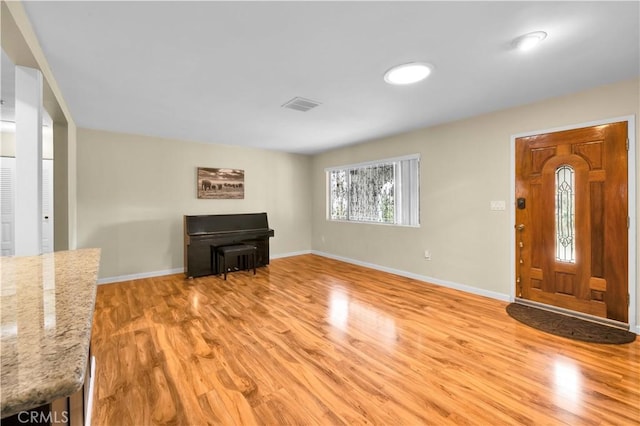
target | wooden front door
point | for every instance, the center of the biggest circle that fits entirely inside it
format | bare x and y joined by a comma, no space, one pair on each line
571,220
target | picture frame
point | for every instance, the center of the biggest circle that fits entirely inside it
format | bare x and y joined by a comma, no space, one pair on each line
219,184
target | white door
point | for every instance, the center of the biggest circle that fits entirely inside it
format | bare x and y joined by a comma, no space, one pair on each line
7,205
47,206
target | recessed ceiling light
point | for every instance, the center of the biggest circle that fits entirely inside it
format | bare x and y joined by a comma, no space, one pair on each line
408,73
529,41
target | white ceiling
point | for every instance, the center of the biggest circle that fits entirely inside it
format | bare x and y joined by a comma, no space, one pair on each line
219,71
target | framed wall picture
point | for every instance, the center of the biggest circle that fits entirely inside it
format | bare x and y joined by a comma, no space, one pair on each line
220,183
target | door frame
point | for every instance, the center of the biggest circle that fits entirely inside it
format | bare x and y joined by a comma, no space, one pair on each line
632,209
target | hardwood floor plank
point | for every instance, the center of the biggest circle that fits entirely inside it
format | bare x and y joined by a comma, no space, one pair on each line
310,340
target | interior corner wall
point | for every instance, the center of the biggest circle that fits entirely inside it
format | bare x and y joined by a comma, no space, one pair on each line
60,190
72,191
133,192
464,166
20,42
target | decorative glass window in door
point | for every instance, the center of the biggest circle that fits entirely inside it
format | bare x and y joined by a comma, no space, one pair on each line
565,214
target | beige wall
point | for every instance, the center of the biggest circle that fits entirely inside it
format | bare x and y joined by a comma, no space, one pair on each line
134,190
7,144
464,166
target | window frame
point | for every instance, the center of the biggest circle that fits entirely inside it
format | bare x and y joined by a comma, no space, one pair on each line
398,203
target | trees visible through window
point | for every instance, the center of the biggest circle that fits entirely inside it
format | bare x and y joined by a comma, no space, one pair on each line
384,191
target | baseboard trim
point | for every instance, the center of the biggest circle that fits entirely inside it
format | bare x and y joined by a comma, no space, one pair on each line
290,254
120,278
152,274
424,278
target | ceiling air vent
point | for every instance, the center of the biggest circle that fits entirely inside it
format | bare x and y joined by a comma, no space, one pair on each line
301,104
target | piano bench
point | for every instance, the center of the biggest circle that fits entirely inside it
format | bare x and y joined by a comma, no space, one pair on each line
245,250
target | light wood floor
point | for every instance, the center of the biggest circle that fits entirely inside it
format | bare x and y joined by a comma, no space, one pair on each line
309,340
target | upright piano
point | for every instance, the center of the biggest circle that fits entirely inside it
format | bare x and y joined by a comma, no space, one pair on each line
203,234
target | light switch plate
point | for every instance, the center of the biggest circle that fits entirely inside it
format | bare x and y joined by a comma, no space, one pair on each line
498,205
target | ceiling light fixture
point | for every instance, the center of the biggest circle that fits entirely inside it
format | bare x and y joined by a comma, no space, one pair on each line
408,73
529,41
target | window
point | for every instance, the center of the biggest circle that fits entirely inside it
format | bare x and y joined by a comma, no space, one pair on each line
565,214
384,191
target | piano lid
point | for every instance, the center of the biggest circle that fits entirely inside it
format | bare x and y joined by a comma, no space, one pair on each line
214,223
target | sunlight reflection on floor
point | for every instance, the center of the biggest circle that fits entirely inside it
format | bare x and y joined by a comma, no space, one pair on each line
567,385
356,318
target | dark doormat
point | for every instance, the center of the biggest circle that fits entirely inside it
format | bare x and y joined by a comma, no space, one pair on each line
567,326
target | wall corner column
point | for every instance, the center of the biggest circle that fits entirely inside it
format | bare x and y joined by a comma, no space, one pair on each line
28,206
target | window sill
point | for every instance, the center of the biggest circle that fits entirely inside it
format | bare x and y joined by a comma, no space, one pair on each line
372,223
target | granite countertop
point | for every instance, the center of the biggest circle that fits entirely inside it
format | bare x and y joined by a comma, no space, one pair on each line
47,307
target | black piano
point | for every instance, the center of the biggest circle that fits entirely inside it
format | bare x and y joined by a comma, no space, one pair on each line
204,233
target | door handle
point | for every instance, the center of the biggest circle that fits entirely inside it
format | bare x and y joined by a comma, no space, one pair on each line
520,227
